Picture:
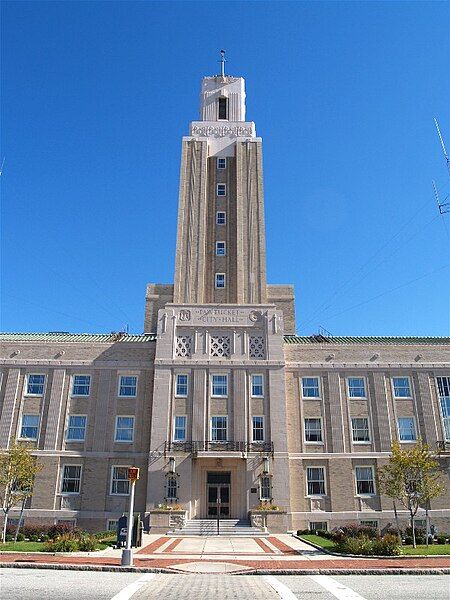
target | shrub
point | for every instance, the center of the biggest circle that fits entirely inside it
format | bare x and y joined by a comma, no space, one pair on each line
388,545
355,530
59,529
87,543
443,538
356,545
303,532
33,533
20,537
67,542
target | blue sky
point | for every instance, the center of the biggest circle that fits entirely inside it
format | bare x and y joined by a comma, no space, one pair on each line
96,97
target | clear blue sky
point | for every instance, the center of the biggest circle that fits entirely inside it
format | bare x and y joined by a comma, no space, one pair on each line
96,97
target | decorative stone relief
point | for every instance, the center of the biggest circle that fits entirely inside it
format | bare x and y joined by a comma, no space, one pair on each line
183,346
222,131
219,346
257,346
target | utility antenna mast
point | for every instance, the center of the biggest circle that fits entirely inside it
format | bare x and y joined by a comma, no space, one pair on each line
444,207
222,63
444,150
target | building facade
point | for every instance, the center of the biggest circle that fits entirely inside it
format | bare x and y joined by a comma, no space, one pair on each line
219,399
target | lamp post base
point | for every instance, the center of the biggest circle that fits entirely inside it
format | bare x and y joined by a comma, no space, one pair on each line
127,558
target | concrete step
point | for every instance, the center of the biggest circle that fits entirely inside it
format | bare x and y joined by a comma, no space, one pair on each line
208,527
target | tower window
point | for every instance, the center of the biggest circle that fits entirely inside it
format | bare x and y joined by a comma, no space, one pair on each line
223,108
221,189
221,218
220,280
221,163
221,249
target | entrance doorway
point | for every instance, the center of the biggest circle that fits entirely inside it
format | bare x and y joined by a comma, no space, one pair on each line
218,484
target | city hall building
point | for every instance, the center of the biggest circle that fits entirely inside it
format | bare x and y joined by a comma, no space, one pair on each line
219,398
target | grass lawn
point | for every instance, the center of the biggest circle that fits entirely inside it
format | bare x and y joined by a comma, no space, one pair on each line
434,549
22,546
329,545
319,541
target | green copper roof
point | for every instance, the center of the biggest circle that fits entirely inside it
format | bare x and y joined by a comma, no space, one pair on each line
380,340
62,336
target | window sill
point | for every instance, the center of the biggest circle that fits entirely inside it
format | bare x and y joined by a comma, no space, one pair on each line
317,496
121,495
75,441
79,395
119,396
314,443
365,443
33,395
64,494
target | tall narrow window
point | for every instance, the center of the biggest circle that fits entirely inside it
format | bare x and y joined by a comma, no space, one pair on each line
171,488
444,399
257,386
179,430
223,108
313,430
76,430
221,163
182,385
356,387
35,385
30,427
124,429
364,481
315,478
310,387
220,280
258,429
128,386
120,485
221,248
219,386
360,429
70,483
401,387
221,189
219,429
221,218
265,488
406,429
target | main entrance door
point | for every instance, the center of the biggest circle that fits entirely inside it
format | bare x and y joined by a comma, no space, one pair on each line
218,485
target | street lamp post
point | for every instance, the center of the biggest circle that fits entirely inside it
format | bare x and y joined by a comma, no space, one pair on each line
127,556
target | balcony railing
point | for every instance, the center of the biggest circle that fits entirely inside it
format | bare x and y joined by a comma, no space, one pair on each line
195,448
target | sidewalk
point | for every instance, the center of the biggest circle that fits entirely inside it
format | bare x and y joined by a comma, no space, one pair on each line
274,554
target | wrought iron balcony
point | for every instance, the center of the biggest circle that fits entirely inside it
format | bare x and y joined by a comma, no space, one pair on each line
196,447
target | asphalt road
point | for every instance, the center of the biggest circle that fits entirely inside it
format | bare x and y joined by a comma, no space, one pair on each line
32,584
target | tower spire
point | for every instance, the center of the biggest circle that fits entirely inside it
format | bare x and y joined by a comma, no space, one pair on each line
222,63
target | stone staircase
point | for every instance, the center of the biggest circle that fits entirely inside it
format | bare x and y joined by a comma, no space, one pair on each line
208,527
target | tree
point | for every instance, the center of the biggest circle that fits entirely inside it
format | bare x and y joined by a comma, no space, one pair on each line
18,468
411,477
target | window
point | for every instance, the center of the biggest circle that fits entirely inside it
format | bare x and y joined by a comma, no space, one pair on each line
220,385
219,429
81,385
220,280
258,429
364,480
221,218
221,249
35,385
120,486
257,386
265,488
29,428
315,478
179,430
111,524
124,429
71,479
171,488
221,163
310,387
313,430
76,430
182,386
406,429
128,386
318,526
373,524
401,387
356,387
221,189
360,429
444,398
223,108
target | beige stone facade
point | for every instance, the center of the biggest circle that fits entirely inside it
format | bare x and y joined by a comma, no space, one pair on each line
219,397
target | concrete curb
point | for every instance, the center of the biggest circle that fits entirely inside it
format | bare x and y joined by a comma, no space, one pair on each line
369,556
118,569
